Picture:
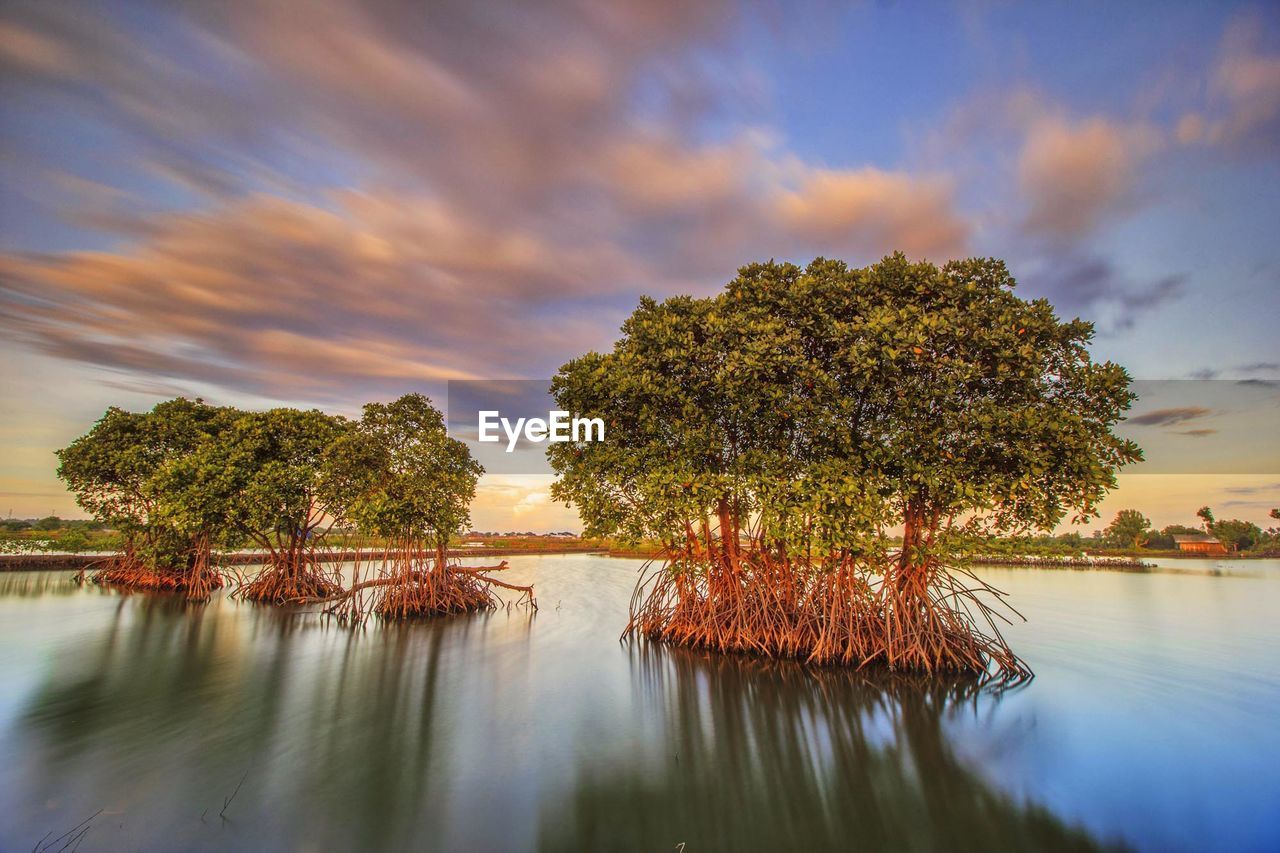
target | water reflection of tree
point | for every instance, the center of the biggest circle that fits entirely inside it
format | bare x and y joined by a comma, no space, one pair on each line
364,740
773,756
38,584
340,736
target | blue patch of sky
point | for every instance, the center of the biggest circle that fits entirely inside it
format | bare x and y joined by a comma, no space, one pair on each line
846,96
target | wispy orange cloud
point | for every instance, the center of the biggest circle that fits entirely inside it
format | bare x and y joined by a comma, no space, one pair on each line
1241,112
503,179
1074,173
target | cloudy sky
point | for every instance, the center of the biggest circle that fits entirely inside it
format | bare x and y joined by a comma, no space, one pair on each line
330,201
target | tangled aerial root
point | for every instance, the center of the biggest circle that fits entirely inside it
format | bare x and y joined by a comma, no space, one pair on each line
198,581
419,582
413,582
280,585
135,575
422,592
838,612
931,619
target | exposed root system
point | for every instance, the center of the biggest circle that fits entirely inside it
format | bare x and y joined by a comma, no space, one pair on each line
413,582
412,590
133,574
201,577
281,583
943,619
197,580
841,610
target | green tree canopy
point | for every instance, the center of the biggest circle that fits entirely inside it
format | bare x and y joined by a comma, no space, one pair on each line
807,411
263,473
900,391
1236,534
398,474
1129,529
258,480
128,471
116,470
1206,516
107,468
284,451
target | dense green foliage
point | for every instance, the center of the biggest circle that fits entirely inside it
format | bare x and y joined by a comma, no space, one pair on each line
1129,529
117,471
186,479
803,413
397,474
1206,517
840,401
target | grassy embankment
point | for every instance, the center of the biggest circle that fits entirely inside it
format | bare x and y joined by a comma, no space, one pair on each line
76,544
1025,550
47,546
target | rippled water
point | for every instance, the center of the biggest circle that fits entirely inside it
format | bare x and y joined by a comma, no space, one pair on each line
1150,724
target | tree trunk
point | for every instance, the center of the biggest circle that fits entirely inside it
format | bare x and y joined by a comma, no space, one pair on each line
728,535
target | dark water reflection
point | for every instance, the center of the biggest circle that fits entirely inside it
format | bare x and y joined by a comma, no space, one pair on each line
511,731
762,756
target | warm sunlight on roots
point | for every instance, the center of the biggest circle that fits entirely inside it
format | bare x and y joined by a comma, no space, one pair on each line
410,579
197,581
840,610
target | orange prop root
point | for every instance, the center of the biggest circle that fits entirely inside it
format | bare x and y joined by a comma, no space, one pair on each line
833,611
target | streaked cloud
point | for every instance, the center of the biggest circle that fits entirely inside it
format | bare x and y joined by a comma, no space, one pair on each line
1261,488
334,200
1074,174
1242,108
506,175
1050,180
1169,417
864,210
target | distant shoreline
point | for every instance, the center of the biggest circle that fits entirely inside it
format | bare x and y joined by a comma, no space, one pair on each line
50,562
1044,561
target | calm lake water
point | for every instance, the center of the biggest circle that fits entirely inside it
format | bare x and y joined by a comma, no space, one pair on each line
1152,724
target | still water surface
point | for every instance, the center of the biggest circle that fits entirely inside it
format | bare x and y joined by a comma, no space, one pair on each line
1152,724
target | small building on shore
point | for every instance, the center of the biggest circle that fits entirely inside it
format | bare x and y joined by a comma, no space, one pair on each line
1198,543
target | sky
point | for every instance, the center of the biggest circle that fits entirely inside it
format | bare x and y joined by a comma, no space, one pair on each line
326,202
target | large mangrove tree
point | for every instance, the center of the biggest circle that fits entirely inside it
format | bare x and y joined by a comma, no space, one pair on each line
809,445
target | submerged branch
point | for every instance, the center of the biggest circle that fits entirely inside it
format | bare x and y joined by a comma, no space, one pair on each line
420,576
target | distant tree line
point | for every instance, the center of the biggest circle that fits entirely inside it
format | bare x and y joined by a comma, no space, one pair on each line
52,533
50,523
1132,530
